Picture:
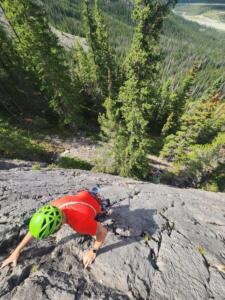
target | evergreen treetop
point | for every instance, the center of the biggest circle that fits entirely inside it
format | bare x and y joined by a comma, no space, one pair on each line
138,96
43,57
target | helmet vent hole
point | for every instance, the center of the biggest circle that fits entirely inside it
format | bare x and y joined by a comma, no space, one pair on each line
42,233
51,226
44,223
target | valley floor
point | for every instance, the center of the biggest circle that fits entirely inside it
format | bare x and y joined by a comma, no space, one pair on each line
205,14
205,21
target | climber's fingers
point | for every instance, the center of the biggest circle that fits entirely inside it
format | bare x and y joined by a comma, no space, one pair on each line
11,260
89,258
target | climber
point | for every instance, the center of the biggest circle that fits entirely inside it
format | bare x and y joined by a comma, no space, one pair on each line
78,211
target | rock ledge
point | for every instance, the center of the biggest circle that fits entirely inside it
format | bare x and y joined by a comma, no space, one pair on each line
163,242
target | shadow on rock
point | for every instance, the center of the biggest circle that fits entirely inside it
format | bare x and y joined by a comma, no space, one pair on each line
130,225
5,165
34,252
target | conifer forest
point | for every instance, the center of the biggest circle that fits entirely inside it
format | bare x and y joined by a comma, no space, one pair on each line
140,79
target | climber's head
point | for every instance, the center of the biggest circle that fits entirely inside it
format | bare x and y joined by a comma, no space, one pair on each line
45,221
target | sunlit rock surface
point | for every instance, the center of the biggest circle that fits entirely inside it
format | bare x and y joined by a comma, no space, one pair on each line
163,242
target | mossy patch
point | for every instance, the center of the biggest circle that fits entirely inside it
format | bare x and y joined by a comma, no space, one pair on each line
52,167
201,250
18,143
73,163
36,167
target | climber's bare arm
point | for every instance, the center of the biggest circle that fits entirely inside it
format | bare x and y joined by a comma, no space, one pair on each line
12,259
100,236
90,256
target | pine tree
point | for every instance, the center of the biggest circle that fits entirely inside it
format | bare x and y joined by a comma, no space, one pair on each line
104,56
90,26
174,104
197,148
98,40
16,85
94,67
131,113
84,70
205,164
43,57
198,126
8,64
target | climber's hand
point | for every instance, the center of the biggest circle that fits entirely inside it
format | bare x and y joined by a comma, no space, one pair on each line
12,259
89,258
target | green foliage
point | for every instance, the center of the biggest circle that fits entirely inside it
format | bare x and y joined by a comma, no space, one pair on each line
130,115
16,84
42,56
36,167
110,119
201,250
98,39
146,237
104,161
218,179
16,143
73,163
67,16
198,126
34,269
205,161
212,187
103,56
184,42
52,167
173,103
39,74
40,123
84,69
94,67
197,147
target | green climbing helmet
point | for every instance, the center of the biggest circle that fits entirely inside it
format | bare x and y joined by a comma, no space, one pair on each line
45,221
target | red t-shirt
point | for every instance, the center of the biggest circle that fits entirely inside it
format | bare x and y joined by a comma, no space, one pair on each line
80,211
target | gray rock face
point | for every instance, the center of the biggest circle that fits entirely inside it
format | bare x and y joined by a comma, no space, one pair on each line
163,242
68,40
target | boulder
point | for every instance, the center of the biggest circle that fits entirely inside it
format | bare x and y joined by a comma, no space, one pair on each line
163,242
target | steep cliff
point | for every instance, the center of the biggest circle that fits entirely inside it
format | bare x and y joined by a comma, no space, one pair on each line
163,242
